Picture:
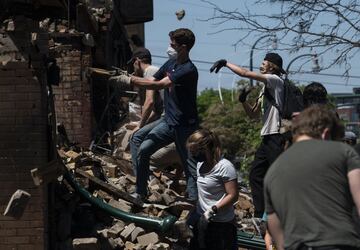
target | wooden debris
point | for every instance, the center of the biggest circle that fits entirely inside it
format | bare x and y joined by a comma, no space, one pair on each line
110,189
47,173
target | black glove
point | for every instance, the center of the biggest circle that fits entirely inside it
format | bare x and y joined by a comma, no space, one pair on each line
244,93
218,65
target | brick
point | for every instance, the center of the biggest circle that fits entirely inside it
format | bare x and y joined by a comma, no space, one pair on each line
29,247
33,81
7,105
36,239
28,105
39,215
118,243
7,120
12,80
86,244
116,229
24,72
29,231
8,232
112,170
7,88
26,88
138,231
129,245
16,65
7,73
37,65
147,239
7,247
20,224
15,240
126,233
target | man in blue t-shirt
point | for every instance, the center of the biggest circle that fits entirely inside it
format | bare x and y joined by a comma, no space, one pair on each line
178,77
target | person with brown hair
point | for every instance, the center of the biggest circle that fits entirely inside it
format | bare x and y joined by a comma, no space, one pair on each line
273,142
217,192
311,188
178,77
151,100
315,93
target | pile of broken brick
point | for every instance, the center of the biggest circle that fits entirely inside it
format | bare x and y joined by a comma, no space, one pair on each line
110,180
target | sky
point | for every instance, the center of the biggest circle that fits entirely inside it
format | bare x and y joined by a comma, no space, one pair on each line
210,47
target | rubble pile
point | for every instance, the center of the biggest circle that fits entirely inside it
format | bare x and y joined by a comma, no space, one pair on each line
111,180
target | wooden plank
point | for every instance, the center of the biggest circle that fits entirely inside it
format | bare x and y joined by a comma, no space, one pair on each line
110,189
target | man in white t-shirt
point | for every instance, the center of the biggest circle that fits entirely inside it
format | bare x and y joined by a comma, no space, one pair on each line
272,141
151,101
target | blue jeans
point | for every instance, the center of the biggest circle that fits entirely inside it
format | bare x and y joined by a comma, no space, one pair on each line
137,138
161,135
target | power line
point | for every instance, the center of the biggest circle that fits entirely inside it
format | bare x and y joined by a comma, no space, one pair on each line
299,80
294,79
300,72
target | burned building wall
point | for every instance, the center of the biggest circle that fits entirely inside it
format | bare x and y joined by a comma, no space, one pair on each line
73,95
23,131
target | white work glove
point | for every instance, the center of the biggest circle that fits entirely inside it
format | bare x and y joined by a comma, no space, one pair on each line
208,214
125,79
202,226
122,72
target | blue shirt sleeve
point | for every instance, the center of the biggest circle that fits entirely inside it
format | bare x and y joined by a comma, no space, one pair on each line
181,76
162,72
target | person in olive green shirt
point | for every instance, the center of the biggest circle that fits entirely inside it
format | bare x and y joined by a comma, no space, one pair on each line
310,190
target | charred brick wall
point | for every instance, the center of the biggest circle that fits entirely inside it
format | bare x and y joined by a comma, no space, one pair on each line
23,134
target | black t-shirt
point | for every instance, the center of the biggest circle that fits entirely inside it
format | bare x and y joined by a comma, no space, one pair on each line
180,97
307,187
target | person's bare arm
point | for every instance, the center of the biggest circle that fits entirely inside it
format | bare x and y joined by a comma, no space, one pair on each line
276,230
151,83
354,183
147,107
153,117
231,195
252,111
246,73
268,241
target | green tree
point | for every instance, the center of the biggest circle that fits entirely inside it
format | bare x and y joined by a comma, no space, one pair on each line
239,135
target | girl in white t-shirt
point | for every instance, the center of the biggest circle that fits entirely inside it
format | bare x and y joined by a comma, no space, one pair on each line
217,192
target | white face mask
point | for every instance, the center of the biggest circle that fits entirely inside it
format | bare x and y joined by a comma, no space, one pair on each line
171,52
